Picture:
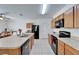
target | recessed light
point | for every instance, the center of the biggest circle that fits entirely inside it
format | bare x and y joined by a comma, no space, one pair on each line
44,6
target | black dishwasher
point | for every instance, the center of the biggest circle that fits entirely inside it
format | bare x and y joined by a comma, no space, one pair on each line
25,48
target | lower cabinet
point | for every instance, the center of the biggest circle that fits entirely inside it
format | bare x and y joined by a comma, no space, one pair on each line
49,39
31,42
64,49
60,48
70,51
16,51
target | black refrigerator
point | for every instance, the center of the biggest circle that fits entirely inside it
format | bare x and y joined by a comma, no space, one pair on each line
35,30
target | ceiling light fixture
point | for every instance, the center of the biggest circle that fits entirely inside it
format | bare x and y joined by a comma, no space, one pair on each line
44,8
1,18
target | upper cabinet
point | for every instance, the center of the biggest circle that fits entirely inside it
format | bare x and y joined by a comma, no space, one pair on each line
53,23
56,21
60,16
68,18
76,16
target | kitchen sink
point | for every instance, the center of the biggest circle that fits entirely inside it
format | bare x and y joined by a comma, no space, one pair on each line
24,35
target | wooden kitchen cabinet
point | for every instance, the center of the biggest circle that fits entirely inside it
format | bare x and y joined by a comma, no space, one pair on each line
31,43
29,25
61,17
14,51
49,39
56,19
70,51
68,18
53,23
32,38
64,49
76,16
60,48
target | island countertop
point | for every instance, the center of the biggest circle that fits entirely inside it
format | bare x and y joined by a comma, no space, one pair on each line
13,41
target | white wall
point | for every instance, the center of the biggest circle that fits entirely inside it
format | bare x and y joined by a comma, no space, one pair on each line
44,25
14,24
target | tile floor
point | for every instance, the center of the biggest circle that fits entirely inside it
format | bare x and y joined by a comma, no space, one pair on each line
41,47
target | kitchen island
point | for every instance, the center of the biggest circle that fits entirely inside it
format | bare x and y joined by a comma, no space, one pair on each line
16,45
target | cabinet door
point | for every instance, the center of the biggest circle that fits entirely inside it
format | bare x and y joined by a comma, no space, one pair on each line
61,17
53,23
29,25
60,48
68,18
49,39
76,16
70,51
16,51
32,38
30,45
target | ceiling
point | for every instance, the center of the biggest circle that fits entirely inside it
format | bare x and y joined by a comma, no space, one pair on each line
29,11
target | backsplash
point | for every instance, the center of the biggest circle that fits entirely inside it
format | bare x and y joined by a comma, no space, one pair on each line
74,32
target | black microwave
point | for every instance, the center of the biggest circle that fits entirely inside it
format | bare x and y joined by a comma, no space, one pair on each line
59,23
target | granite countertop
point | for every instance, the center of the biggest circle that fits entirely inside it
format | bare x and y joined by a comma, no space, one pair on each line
73,41
13,41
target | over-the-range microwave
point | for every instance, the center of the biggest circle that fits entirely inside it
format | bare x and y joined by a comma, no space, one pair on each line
59,23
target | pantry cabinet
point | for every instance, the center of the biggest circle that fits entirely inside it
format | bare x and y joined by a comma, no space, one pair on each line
60,48
68,18
76,16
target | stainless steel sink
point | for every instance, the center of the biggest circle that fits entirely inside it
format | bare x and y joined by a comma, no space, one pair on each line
23,35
